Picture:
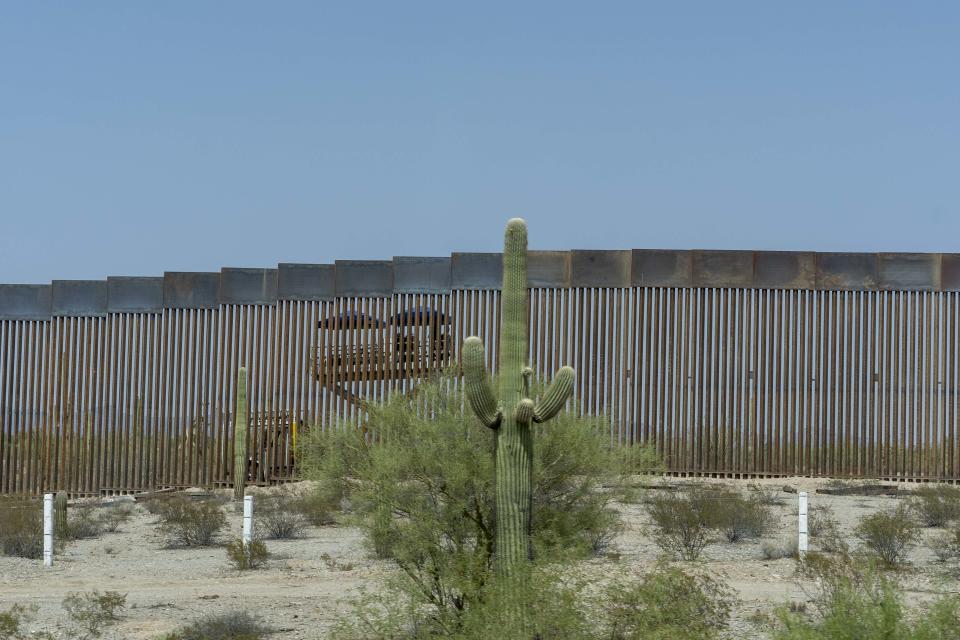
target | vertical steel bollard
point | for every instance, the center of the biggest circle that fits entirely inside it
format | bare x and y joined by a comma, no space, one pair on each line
48,529
802,522
247,519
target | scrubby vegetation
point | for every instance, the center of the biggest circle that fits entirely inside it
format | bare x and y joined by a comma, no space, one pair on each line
946,546
12,622
889,535
936,505
247,556
663,604
317,508
84,521
114,515
232,625
787,548
739,517
419,484
21,528
679,525
855,601
190,523
280,516
824,529
93,611
667,603
682,522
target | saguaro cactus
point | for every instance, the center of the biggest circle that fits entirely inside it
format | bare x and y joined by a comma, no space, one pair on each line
240,436
60,526
512,416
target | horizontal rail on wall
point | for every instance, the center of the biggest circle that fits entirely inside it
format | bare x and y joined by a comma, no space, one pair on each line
793,270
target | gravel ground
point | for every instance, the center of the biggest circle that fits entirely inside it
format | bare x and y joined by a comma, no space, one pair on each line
310,580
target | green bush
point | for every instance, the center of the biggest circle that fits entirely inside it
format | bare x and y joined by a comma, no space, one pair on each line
419,484
768,495
663,604
93,611
947,546
317,507
191,523
739,517
84,522
679,524
856,602
21,528
115,515
233,625
279,518
936,505
788,548
824,528
890,535
667,604
247,556
13,619
156,505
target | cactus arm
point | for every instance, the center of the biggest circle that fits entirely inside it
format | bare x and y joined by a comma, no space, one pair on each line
478,387
523,412
556,395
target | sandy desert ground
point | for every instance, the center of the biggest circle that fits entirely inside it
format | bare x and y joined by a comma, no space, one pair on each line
309,581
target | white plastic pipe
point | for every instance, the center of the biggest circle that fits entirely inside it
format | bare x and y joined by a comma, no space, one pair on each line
48,529
247,519
802,522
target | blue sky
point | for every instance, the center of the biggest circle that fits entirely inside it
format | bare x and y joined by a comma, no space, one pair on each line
142,137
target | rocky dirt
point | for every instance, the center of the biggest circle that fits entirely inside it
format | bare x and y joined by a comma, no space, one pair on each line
309,581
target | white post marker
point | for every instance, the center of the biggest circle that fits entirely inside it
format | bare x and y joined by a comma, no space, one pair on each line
802,541
48,529
247,519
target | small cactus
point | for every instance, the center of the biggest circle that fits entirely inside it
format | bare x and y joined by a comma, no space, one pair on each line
240,436
61,529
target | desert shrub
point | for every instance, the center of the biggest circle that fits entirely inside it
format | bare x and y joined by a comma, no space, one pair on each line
663,604
233,625
946,547
13,619
936,505
739,517
92,611
890,535
335,565
247,556
21,528
279,518
420,485
317,507
787,548
667,603
555,612
191,523
678,523
857,602
156,505
83,522
769,495
114,515
824,528
820,517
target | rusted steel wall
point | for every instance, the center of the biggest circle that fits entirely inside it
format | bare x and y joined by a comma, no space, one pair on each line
734,363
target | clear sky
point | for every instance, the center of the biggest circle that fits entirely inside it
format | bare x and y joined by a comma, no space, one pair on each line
142,137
